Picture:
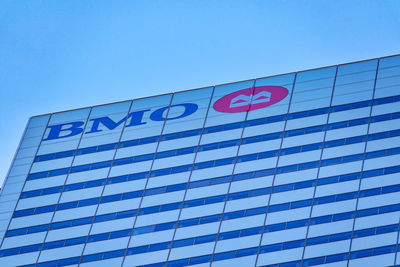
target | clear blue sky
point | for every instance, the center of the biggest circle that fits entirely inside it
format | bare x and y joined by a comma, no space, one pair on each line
59,55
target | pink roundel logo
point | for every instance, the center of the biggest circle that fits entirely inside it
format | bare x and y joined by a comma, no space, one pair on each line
250,99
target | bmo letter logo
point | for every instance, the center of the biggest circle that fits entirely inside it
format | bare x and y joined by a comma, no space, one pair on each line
250,99
135,118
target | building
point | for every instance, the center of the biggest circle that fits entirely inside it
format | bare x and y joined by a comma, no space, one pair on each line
300,169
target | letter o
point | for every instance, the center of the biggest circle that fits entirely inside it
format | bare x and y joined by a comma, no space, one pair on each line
157,115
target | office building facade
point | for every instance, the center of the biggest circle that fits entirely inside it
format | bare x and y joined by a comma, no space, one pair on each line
300,169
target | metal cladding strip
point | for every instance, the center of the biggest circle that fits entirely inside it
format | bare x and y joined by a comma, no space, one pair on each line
234,167
319,165
276,169
363,162
190,175
37,149
397,244
276,165
123,254
8,174
59,197
102,192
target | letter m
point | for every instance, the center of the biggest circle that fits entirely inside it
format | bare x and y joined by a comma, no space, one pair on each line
111,125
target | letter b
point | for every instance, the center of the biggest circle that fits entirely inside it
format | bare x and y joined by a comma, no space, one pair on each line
56,130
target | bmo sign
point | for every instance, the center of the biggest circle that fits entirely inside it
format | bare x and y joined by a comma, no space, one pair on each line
132,119
239,101
250,99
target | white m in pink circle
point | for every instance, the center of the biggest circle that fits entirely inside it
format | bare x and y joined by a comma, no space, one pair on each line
250,99
244,100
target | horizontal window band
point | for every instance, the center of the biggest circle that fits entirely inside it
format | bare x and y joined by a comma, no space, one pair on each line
210,200
230,126
253,251
229,255
139,193
271,153
198,240
240,177
339,257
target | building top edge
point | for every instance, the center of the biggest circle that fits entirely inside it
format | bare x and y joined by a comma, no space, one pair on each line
194,89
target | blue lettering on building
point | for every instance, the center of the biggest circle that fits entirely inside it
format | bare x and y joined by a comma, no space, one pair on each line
136,118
